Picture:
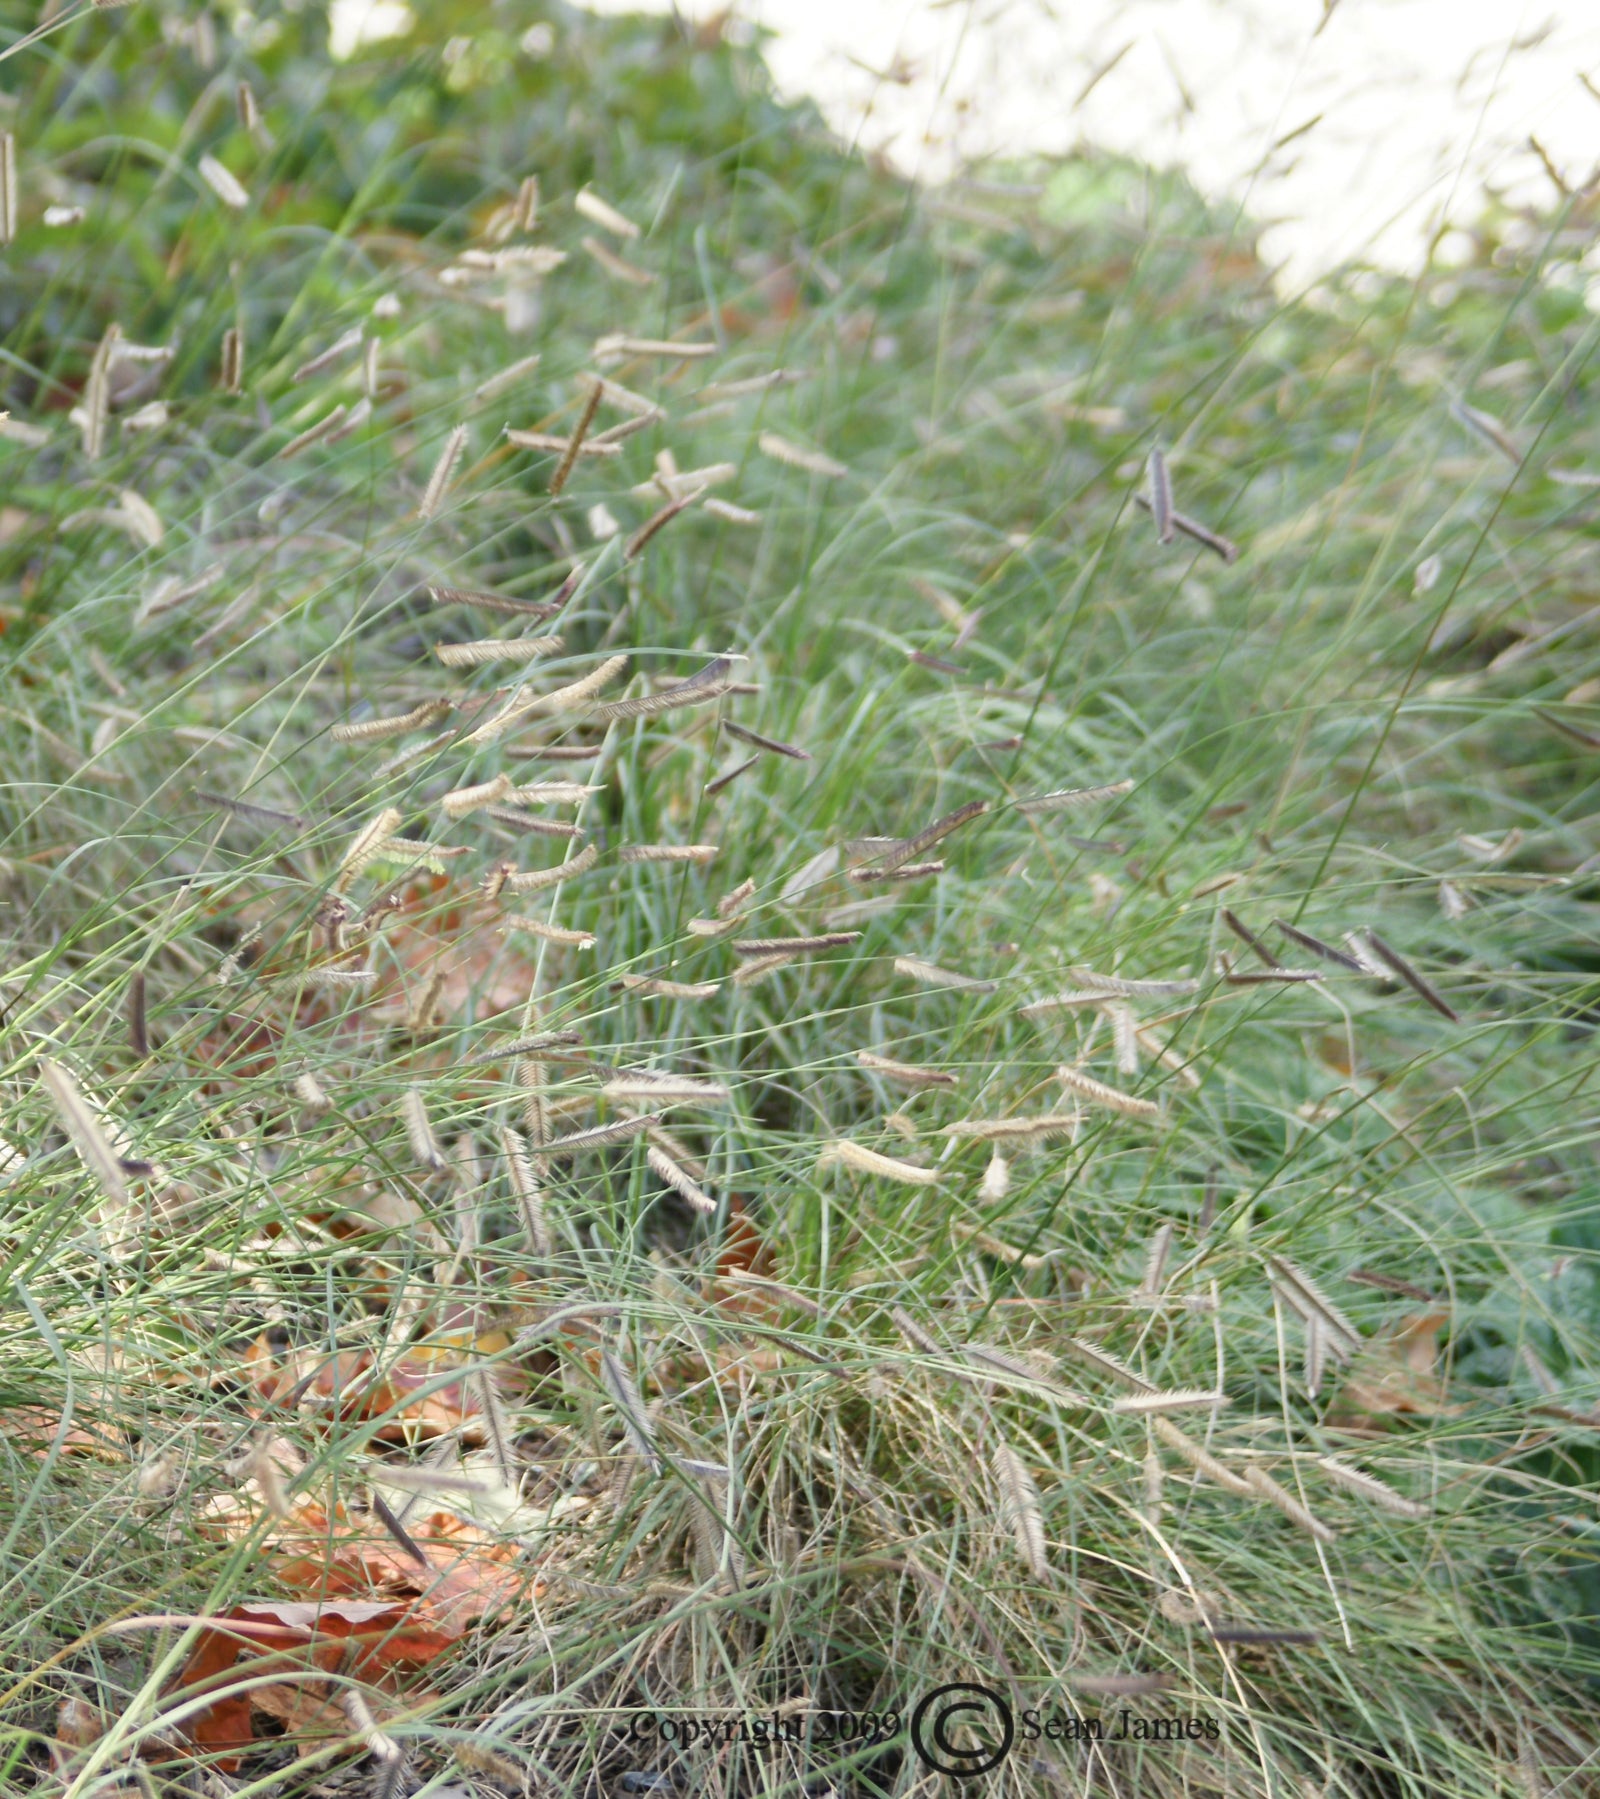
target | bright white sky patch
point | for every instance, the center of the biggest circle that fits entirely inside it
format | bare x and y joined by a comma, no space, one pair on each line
1418,103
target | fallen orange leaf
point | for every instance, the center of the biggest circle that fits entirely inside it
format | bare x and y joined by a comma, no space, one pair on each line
377,1637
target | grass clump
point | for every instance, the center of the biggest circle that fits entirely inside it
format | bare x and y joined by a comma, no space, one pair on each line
750,1053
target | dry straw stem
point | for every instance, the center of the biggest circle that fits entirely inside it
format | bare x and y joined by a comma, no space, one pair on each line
507,378
1178,1399
97,392
82,1125
526,216
1161,496
1155,1262
535,826
618,345
1200,1458
1308,1299
462,800
1097,1093
563,699
732,775
1248,937
374,730
552,793
619,434
311,1094
907,871
907,849
526,1191
626,400
138,1026
8,187
243,808
624,1395
499,1436
443,470
591,447
906,1074
1115,985
843,1152
729,513
914,1334
602,213
794,946
698,853
1262,1484
663,989
772,745
812,461
365,845
551,933
1065,799
364,1726
1020,1508
1397,964
498,649
499,602
424,1144
601,1136
341,346
422,1011
709,684
616,265
535,880
731,902
656,521
1014,1130
678,1179
1105,1363
931,975
1316,947
1368,1486
1489,428
569,456
143,519
34,436
224,184
1202,534
324,427
665,1090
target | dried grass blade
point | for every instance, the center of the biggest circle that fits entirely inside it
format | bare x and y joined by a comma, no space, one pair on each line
1308,1299
630,1408
678,1179
933,976
83,1127
1161,496
1316,947
569,456
1179,1399
443,470
425,1149
1397,964
1021,1509
848,1154
709,684
907,1074
601,1136
772,745
1112,1098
